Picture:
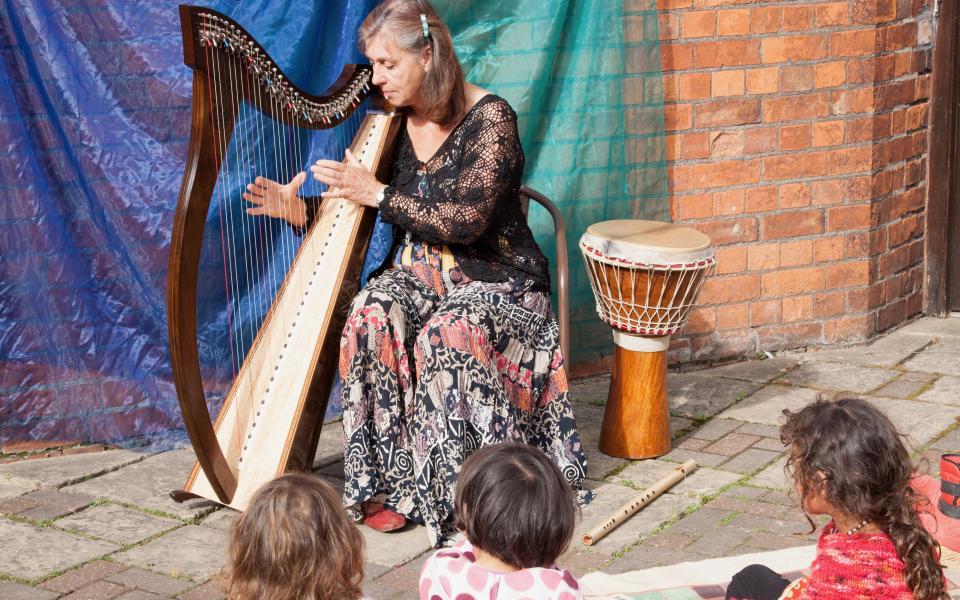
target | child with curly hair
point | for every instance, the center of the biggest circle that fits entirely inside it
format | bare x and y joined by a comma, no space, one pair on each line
848,461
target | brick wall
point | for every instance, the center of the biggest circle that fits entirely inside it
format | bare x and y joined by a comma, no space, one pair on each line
796,138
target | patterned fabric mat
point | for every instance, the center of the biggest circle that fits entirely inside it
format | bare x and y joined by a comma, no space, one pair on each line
708,579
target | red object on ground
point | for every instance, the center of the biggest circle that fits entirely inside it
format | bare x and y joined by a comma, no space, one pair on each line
937,516
384,520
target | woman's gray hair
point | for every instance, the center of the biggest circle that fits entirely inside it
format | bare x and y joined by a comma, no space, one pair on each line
442,89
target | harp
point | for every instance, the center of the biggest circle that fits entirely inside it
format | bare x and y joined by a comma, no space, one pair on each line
273,410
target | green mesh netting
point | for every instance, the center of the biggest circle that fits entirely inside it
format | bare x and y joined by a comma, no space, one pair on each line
584,77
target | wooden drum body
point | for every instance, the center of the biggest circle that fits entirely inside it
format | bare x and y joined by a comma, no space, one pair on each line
646,276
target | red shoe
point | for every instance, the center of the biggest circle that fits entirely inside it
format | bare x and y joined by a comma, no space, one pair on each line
384,520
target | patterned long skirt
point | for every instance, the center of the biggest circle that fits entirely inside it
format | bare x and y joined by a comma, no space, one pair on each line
434,366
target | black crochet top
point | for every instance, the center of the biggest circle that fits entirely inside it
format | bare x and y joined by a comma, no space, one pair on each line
467,196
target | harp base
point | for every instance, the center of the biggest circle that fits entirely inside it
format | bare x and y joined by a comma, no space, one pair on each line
179,496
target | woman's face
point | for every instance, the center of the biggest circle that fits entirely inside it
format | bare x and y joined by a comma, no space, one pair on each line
397,72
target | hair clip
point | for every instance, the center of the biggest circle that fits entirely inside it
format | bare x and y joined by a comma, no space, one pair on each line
425,25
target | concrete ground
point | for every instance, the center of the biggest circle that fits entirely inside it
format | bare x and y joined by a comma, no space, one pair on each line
98,524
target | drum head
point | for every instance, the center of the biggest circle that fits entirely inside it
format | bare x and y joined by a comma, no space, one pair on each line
635,241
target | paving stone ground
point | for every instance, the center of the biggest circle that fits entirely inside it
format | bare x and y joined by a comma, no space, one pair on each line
100,525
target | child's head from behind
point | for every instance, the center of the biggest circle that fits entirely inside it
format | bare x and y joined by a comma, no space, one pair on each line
513,503
847,457
295,541
847,453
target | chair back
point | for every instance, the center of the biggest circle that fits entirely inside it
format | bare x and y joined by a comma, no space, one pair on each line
560,232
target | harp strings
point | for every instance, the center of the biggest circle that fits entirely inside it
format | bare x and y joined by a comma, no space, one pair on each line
257,250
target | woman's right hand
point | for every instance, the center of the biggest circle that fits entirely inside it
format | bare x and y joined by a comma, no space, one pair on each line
278,200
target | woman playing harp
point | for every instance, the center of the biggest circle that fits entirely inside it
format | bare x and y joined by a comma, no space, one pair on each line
452,345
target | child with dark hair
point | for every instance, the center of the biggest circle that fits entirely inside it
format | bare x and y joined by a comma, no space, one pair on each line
295,542
848,461
517,514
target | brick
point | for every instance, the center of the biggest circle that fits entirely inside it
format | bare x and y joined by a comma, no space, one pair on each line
797,18
793,281
828,249
731,260
671,144
733,22
846,218
792,224
727,83
857,327
79,578
858,245
701,23
729,53
696,145
728,202
830,74
677,117
759,140
796,108
916,117
760,199
669,27
795,166
873,11
697,206
832,14
724,113
797,253
796,78
828,304
732,444
211,590
675,57
794,137
765,313
797,308
829,191
727,144
848,274
846,102
766,20
700,320
794,48
763,81
724,173
853,43
790,336
737,288
827,133
762,257
900,36
794,195
850,160
679,178
693,86
670,4
730,231
733,316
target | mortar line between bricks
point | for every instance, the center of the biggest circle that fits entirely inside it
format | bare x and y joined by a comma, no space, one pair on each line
90,476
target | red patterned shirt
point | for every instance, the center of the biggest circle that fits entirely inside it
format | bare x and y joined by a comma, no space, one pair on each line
853,567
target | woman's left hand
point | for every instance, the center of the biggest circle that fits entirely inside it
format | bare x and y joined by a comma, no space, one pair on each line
348,180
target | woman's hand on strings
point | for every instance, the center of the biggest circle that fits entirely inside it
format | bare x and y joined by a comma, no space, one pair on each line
349,180
277,200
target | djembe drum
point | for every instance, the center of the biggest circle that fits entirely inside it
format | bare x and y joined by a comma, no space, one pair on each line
645,276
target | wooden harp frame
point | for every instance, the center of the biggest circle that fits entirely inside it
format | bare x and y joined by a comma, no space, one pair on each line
206,32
